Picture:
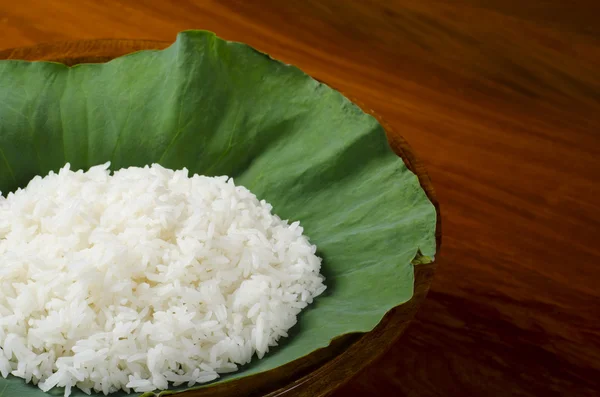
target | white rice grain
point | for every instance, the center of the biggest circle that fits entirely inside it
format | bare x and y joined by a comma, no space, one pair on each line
144,277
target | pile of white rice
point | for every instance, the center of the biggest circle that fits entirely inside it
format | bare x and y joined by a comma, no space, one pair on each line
134,280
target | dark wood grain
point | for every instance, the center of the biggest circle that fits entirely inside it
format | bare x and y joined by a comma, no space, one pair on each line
501,100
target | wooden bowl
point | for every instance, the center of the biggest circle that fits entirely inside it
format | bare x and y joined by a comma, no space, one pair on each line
324,370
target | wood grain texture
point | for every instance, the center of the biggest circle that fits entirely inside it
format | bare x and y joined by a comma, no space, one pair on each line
501,101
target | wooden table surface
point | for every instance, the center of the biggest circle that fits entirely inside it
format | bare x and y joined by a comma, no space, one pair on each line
501,100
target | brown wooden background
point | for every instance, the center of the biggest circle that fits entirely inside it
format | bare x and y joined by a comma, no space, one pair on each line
501,100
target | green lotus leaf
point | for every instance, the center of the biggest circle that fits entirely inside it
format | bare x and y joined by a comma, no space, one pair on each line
223,108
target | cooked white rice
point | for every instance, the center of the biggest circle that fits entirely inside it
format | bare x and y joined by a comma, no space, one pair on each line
134,280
